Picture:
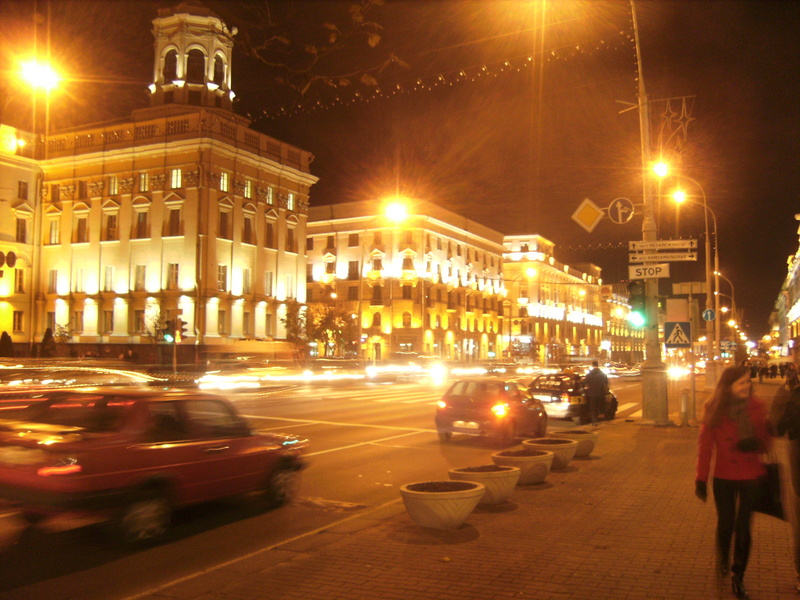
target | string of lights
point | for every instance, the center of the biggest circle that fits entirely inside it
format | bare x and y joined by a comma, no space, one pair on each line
348,96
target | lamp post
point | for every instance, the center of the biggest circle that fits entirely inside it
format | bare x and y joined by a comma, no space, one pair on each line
654,372
719,276
712,327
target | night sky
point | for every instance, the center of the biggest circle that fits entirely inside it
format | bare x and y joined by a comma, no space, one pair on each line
502,119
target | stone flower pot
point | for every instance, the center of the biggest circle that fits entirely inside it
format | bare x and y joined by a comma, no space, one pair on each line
499,481
533,465
586,440
563,449
441,504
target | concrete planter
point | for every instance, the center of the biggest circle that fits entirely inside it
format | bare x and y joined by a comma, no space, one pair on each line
563,449
498,480
534,465
441,504
587,440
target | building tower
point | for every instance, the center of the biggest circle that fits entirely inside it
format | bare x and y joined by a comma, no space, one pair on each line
192,64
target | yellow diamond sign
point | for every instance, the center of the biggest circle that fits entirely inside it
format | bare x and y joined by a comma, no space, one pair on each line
588,215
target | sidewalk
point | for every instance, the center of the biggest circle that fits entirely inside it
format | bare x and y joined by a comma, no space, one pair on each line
622,524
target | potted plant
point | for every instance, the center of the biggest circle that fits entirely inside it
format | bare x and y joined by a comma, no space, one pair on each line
498,480
586,440
441,504
563,449
534,465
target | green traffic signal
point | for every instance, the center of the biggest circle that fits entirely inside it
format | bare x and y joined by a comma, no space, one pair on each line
636,319
168,332
638,315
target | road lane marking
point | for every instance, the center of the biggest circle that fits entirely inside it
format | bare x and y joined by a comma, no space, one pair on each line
337,424
627,406
369,443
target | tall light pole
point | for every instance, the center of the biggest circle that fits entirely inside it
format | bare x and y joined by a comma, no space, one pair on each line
654,372
712,327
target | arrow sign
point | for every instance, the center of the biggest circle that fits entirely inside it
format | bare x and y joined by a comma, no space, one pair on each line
662,257
678,334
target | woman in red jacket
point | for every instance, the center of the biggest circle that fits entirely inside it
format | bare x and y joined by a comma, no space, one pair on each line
735,430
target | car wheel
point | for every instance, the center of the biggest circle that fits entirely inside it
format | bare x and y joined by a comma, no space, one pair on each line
505,435
282,486
611,411
145,519
541,431
445,436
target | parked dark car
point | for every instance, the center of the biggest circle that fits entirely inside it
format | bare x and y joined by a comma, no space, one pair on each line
564,398
501,409
134,455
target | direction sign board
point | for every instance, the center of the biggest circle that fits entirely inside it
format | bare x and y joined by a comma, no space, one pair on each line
662,256
587,215
648,271
678,334
620,211
663,245
709,314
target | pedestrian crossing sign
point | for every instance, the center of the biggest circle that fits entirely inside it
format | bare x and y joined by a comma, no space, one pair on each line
678,334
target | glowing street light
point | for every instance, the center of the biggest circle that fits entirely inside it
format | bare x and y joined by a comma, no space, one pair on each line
39,75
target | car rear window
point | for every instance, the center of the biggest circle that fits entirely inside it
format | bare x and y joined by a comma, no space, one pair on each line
91,412
477,389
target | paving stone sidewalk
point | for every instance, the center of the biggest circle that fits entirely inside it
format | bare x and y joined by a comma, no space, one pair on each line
621,525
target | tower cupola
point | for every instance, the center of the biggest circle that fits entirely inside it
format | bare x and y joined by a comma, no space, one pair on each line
193,49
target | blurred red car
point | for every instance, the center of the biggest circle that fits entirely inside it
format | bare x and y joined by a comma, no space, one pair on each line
134,455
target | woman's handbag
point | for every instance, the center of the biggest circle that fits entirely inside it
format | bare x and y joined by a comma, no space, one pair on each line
769,501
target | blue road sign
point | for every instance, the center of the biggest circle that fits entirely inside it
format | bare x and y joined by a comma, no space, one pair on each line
709,314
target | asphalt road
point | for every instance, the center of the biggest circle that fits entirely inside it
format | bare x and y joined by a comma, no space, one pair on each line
366,441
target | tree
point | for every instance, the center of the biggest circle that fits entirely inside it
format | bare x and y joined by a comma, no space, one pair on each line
295,323
303,57
47,348
334,328
6,345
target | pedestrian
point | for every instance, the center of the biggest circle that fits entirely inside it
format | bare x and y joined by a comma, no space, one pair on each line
735,430
596,385
785,414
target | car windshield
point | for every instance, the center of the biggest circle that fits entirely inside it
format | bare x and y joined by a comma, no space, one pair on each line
93,412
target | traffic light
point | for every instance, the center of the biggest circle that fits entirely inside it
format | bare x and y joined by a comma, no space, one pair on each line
180,332
638,315
168,332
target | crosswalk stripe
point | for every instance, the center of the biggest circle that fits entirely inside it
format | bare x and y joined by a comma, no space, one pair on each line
627,406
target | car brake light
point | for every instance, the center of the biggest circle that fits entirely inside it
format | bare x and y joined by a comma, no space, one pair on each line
67,466
441,404
565,397
500,410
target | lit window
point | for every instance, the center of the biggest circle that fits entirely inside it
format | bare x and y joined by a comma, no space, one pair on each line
144,182
222,278
55,232
270,195
290,203
176,179
19,281
113,186
223,182
248,189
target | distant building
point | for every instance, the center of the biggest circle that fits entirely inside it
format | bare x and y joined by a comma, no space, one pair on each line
180,211
428,283
785,317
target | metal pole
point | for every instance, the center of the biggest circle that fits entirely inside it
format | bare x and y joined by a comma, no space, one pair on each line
654,374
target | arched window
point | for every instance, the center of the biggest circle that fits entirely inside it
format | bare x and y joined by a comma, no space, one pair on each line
219,70
171,66
195,66
406,319
376,320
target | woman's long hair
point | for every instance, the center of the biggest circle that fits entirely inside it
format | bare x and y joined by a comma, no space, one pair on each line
717,406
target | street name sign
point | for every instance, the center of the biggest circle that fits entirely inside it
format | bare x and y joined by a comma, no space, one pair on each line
663,245
662,256
678,334
648,271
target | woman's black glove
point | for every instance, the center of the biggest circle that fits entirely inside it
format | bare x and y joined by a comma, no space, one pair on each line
701,490
750,444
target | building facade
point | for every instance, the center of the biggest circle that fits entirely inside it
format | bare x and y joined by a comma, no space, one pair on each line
179,212
426,282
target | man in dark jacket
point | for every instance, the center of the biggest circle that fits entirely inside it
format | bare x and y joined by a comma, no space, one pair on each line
596,385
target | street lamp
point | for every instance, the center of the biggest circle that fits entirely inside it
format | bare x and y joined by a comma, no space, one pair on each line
711,334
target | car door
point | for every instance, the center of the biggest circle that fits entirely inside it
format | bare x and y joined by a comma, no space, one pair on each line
524,407
230,459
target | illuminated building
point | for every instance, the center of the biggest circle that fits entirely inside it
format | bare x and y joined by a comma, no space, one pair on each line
180,211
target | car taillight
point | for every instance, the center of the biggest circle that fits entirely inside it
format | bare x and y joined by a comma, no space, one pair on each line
565,397
441,404
64,466
500,410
